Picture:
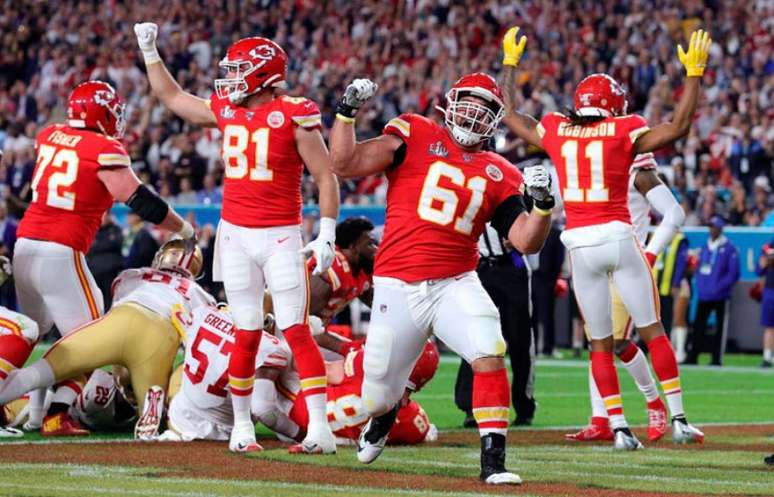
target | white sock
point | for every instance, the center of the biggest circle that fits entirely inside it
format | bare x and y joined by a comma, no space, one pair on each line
35,376
597,404
767,355
241,405
64,394
318,417
638,368
679,337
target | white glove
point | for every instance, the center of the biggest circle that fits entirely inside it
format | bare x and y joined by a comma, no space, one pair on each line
146,33
356,94
323,246
538,182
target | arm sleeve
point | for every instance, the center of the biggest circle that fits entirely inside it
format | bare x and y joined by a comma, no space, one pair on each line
399,126
662,200
506,214
113,155
304,113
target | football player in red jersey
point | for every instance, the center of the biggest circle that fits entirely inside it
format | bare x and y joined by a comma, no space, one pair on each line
81,168
267,139
443,188
593,149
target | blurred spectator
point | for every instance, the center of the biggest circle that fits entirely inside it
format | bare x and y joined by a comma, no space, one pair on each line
415,51
104,257
8,227
186,195
210,193
140,246
766,271
718,273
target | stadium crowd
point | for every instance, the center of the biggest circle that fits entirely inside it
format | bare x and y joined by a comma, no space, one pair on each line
415,50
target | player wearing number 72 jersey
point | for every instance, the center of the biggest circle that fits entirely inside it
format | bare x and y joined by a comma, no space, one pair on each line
81,168
443,188
593,149
267,139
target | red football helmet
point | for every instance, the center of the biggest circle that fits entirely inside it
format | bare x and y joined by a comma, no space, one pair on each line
600,95
471,121
425,367
251,64
96,105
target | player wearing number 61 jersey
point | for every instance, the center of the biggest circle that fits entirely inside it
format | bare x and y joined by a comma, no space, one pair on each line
593,148
267,140
443,188
81,168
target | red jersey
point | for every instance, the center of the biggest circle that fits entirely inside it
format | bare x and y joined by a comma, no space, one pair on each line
262,181
68,198
438,202
347,414
593,164
345,285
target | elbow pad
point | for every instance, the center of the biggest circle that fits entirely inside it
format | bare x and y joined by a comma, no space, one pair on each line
149,206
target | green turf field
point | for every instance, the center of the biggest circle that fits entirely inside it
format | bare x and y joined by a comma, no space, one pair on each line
730,463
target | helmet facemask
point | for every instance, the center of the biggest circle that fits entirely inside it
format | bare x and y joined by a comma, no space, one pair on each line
118,111
472,120
235,87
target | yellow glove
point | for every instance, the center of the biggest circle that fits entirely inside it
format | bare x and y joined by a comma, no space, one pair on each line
695,60
513,51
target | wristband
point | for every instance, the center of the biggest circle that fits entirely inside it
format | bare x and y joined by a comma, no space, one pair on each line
546,204
540,211
327,229
151,55
345,119
345,110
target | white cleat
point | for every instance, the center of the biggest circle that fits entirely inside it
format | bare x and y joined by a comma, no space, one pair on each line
322,442
367,452
8,432
243,438
147,426
623,441
684,433
505,478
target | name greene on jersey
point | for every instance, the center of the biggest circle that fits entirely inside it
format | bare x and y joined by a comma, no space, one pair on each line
68,198
438,202
263,169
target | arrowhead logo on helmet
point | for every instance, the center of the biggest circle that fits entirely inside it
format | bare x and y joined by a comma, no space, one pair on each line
95,105
252,65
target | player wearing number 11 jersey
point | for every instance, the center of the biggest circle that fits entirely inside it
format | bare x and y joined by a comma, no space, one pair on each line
593,148
443,188
267,140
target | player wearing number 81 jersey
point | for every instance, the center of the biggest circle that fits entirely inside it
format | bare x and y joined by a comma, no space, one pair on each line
593,148
443,188
267,139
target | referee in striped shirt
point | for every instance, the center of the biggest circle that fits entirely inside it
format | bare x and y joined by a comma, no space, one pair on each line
505,275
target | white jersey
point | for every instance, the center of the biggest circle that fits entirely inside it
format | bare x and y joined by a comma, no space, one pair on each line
95,406
210,338
639,208
159,291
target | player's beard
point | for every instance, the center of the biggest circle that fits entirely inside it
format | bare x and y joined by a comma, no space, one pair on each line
367,265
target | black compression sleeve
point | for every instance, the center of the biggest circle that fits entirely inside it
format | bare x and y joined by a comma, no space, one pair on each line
399,156
149,206
506,213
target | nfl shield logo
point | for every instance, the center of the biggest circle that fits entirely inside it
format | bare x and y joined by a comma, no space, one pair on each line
383,308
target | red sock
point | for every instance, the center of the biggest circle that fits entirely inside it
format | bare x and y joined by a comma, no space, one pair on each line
310,364
14,351
665,365
491,401
241,363
606,378
628,354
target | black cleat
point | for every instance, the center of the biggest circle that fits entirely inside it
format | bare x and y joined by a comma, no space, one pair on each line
493,470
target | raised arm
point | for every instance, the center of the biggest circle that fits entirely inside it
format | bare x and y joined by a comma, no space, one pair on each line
352,159
694,61
661,199
189,107
527,231
125,187
523,125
